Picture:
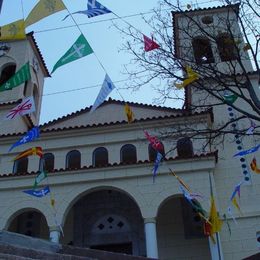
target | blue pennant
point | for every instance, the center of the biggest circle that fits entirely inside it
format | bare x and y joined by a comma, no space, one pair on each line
38,193
30,136
245,152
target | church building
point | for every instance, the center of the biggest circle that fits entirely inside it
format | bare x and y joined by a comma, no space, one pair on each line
103,194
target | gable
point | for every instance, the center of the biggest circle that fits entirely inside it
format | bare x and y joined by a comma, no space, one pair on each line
110,111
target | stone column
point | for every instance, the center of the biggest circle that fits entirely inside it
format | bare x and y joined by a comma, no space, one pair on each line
55,234
150,237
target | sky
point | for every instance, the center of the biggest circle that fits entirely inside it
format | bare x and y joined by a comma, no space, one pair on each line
76,85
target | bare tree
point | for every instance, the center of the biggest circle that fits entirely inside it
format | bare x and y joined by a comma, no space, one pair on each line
235,73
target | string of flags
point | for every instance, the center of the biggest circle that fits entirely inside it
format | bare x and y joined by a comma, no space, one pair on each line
81,48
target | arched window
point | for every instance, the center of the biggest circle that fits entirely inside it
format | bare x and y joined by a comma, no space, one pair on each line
73,159
184,147
226,47
128,154
100,156
47,162
202,50
153,153
21,165
7,73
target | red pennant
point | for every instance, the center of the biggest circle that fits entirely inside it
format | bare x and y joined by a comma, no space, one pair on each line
150,44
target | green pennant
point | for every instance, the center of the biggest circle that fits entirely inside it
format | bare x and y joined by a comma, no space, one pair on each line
22,75
41,176
230,98
78,50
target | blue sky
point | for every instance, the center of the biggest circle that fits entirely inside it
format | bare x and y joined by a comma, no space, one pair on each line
104,39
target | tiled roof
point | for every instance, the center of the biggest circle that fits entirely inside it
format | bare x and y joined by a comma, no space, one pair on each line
110,101
13,102
185,113
31,38
196,156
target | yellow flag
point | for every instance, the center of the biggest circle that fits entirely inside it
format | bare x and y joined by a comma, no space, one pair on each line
192,76
42,9
129,113
13,31
235,203
216,222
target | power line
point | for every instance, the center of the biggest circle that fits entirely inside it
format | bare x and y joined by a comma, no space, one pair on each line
112,19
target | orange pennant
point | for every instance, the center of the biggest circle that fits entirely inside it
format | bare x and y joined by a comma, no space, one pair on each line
31,151
254,167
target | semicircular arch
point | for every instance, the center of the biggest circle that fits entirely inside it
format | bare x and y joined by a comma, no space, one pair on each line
17,208
72,197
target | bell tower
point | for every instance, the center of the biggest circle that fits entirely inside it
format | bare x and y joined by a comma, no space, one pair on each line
210,41
13,55
211,37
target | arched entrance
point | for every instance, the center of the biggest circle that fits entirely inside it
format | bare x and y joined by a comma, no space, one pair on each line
180,231
108,220
30,223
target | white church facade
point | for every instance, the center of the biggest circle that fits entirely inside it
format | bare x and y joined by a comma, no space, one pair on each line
100,167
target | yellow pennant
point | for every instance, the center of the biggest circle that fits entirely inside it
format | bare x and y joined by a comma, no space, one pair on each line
43,9
129,113
13,31
235,203
192,76
216,222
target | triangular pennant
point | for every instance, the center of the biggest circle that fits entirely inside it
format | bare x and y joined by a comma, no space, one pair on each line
94,9
22,75
150,44
78,50
105,90
43,9
13,31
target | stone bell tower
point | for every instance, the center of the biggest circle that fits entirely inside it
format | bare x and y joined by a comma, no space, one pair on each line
13,55
210,41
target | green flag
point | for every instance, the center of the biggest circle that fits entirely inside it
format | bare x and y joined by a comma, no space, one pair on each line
22,75
230,98
41,176
78,50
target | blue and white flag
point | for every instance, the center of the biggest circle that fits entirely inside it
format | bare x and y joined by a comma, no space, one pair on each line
156,164
38,193
94,9
30,136
105,90
245,152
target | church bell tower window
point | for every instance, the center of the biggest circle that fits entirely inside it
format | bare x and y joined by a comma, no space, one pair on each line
7,72
202,50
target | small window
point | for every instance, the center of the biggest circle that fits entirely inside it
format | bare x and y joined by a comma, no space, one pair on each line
226,47
73,160
128,154
21,165
202,50
184,147
35,95
7,73
153,153
207,19
47,162
100,157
